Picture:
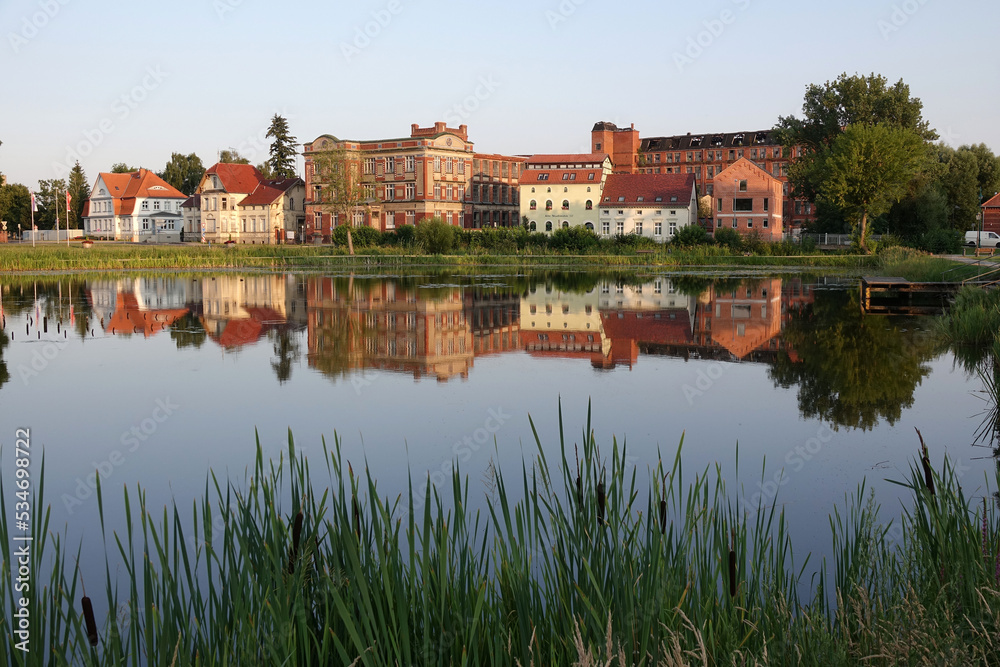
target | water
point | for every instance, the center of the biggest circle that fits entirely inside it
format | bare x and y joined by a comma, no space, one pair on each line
152,380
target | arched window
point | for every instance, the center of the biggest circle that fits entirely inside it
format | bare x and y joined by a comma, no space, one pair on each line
565,189
533,205
565,224
565,205
590,205
548,205
548,225
532,226
589,226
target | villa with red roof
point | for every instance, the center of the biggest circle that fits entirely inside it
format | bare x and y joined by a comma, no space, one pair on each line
651,205
238,204
562,191
138,207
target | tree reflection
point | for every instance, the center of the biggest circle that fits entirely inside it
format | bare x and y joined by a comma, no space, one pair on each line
286,349
4,373
188,331
852,369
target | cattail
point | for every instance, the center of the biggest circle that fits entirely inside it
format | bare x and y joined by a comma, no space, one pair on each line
88,618
357,517
600,503
579,491
663,516
732,568
296,535
926,463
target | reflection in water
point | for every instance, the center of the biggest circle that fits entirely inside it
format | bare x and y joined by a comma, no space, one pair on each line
851,370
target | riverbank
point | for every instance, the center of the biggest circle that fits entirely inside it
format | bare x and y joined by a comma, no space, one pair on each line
272,569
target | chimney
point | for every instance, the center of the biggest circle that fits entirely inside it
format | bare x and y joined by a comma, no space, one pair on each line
413,129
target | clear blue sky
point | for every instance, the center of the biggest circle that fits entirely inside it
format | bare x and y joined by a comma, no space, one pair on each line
132,83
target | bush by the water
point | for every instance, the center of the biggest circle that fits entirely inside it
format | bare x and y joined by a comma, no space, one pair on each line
436,236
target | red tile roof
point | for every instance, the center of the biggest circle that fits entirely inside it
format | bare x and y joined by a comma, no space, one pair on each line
236,177
994,202
674,189
588,158
267,191
194,201
144,183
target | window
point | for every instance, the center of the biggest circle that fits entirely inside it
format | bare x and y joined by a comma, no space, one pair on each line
743,185
532,205
743,205
605,227
590,176
317,220
548,205
410,190
390,192
437,192
437,165
390,165
638,227
156,205
532,226
565,205
145,205
719,206
548,225
658,229
369,165
765,223
620,227
410,217
543,177
589,205
673,228
589,226
449,191
765,204
449,165
749,223
732,155
410,163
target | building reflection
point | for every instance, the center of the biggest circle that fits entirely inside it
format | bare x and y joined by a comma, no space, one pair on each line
353,324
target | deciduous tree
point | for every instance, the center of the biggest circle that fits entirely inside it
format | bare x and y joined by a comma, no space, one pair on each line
184,172
341,192
870,168
122,168
232,156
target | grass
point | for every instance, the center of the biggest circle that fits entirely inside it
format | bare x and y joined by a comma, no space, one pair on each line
571,565
114,256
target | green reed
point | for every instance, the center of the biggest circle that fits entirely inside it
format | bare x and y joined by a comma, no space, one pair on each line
575,562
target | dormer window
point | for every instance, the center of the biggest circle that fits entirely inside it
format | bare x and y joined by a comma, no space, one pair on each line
621,199
660,198
640,198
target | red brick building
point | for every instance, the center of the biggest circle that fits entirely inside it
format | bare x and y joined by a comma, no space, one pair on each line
746,198
991,215
704,156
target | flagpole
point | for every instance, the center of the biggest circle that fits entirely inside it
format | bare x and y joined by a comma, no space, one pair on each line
67,218
32,219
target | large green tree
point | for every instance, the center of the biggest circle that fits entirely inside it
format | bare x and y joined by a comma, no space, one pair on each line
283,149
827,111
184,172
15,206
122,168
51,200
869,168
79,191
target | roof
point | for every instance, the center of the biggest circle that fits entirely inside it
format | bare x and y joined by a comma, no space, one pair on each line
555,176
236,177
569,158
711,140
654,189
743,165
144,183
268,190
194,201
117,183
994,202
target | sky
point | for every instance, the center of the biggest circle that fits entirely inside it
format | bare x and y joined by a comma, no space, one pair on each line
104,82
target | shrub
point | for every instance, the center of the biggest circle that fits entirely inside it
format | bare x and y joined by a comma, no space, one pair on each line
361,237
941,241
404,236
690,235
436,236
729,237
575,239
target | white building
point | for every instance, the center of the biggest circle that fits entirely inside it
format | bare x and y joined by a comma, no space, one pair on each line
652,205
560,191
235,203
138,207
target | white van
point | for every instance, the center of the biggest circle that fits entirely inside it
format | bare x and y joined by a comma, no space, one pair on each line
986,239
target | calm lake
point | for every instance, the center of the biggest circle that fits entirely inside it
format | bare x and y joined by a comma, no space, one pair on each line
152,380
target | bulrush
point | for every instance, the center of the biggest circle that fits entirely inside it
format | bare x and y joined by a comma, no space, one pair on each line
600,503
926,463
357,516
88,618
579,481
296,536
732,566
663,507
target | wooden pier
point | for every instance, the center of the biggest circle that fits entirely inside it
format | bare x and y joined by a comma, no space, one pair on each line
899,296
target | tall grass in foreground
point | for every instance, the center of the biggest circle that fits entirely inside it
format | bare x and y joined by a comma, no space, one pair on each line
570,566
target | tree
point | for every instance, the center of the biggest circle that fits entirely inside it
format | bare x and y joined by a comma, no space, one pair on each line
232,156
286,351
122,168
705,207
283,152
51,200
870,168
341,192
79,191
265,170
15,206
183,172
831,108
